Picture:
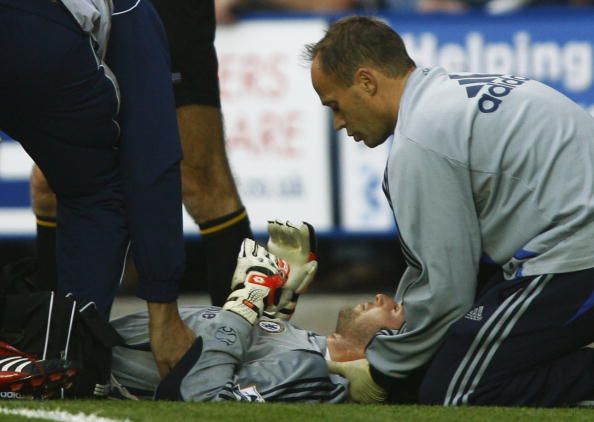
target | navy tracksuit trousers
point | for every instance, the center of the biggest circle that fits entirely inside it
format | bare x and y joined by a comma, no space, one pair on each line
114,167
523,344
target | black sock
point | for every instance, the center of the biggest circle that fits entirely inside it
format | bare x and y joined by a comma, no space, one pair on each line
221,239
47,275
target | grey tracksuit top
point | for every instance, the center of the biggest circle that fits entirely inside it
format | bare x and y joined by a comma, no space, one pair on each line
482,167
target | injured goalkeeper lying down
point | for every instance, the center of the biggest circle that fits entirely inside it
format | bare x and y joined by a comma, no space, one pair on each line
248,350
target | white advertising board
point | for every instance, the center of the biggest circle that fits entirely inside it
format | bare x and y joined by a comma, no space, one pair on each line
363,206
15,164
276,129
15,168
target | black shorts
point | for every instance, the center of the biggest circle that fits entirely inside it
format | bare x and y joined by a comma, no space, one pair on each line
190,27
522,344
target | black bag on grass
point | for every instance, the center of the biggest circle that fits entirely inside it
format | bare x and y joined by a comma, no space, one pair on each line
46,325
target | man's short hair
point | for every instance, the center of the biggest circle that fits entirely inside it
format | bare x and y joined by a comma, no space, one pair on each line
357,41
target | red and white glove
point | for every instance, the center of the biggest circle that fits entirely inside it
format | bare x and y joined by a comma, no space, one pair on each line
295,243
256,281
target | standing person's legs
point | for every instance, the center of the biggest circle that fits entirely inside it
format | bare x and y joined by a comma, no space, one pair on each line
150,148
150,153
209,191
522,344
59,104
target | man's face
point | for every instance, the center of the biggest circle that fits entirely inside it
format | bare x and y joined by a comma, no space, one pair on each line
365,319
352,107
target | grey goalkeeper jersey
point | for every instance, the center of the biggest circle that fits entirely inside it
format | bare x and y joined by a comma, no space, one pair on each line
231,360
491,167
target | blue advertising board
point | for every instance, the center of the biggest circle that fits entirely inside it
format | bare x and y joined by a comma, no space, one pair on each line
554,46
14,189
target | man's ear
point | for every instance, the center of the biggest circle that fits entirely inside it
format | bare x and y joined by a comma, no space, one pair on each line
366,79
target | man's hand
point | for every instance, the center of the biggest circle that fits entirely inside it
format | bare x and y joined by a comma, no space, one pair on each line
362,388
170,337
255,283
295,243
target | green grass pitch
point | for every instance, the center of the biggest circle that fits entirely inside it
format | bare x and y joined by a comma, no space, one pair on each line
244,412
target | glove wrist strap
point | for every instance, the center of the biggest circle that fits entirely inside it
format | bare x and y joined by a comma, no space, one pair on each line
244,309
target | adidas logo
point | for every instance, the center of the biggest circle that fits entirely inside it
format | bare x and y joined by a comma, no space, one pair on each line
475,314
499,87
11,395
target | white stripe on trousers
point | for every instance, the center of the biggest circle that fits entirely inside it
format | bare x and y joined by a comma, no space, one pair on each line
19,360
497,329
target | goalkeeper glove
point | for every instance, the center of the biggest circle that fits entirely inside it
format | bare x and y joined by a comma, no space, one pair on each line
362,388
296,244
255,281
